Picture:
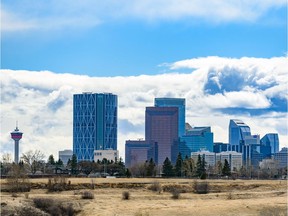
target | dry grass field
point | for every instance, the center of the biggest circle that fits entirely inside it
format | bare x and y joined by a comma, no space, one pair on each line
225,197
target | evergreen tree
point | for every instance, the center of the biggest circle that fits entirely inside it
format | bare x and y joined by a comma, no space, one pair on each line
167,168
51,160
128,173
200,167
59,162
73,164
179,165
150,168
226,171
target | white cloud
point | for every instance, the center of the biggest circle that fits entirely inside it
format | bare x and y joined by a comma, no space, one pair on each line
58,14
42,101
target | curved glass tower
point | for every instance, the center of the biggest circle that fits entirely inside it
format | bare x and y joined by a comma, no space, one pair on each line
238,130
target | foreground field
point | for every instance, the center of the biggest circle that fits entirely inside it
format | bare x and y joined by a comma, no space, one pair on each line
225,197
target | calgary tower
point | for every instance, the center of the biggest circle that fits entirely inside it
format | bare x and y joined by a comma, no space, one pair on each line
16,135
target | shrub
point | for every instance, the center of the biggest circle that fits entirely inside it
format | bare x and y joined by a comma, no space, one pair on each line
43,203
14,195
126,195
175,194
17,180
30,211
52,207
26,195
58,183
87,195
156,187
201,187
229,196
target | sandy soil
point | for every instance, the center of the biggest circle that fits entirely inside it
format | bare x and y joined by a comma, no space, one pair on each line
239,197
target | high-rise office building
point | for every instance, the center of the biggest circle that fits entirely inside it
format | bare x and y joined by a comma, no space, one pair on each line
174,102
241,140
220,147
238,130
94,124
161,126
269,144
196,139
281,158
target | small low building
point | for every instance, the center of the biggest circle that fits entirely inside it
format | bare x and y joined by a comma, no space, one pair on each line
108,154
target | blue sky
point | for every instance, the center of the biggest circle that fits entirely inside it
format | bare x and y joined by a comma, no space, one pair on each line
227,58
60,38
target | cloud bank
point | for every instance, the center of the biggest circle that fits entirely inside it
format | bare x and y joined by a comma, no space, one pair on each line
216,89
52,14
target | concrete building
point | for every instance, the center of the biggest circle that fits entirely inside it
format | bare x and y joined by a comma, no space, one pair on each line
234,158
65,155
94,124
109,154
161,126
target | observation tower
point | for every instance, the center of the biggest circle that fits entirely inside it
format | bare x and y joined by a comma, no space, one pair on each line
16,135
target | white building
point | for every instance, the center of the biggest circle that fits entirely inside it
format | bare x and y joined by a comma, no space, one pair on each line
65,155
209,157
108,154
234,158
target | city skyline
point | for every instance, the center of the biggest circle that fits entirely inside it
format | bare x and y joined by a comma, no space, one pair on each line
227,59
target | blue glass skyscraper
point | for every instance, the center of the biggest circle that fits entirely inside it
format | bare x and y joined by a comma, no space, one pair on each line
238,130
94,124
270,144
196,139
174,102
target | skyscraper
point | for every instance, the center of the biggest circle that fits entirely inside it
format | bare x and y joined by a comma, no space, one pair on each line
238,130
196,139
161,126
94,124
270,142
174,102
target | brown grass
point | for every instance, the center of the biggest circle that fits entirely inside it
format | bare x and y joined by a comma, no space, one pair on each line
250,197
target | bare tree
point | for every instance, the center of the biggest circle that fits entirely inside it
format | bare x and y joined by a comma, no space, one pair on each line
6,164
6,158
33,159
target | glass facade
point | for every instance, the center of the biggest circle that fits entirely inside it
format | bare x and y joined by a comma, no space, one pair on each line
220,147
94,124
270,143
161,126
238,130
174,102
196,139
